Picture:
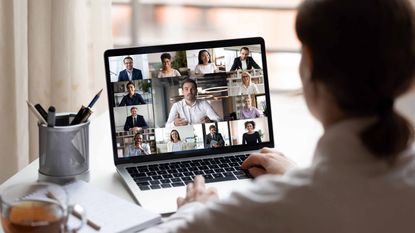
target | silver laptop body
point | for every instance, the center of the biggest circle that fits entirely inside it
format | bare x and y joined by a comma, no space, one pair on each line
157,168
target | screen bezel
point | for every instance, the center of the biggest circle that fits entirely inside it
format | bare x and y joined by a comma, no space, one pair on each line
183,47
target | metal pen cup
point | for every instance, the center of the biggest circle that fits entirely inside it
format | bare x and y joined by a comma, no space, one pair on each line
64,150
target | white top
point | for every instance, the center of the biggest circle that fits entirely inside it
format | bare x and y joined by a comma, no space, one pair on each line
173,73
244,65
176,146
193,114
345,190
249,90
205,69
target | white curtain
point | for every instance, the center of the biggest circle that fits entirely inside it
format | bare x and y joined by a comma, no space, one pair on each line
51,52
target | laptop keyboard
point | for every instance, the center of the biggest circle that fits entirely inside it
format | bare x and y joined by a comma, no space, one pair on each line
175,174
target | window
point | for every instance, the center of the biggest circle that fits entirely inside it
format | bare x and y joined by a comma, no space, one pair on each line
150,22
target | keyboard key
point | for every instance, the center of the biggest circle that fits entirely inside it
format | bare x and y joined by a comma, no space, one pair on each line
209,172
154,182
217,175
241,177
142,183
155,186
177,184
151,173
157,177
144,187
218,170
142,179
136,175
187,179
210,180
188,174
198,173
165,181
230,169
165,185
177,175
175,179
131,170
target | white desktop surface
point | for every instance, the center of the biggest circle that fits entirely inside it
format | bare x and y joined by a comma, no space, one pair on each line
295,132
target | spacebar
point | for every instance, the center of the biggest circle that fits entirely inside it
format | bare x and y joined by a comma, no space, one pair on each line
226,178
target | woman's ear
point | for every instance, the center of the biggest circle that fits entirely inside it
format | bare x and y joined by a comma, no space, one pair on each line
306,64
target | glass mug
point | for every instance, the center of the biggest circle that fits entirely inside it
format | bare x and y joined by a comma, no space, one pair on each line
37,207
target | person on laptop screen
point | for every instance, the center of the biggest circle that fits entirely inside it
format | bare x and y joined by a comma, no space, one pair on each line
190,110
175,143
167,70
249,111
138,148
131,98
251,137
205,65
214,139
244,61
134,122
130,73
247,86
358,57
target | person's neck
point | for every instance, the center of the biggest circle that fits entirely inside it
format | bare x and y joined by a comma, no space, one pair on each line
167,70
131,94
190,102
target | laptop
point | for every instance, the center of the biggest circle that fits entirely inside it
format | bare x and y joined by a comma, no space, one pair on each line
156,96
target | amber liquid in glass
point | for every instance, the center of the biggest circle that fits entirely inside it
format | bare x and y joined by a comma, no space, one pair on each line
33,217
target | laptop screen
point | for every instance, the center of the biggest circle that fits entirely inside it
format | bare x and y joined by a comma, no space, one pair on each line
190,99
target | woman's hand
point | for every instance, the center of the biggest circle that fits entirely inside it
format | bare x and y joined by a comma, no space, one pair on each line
267,161
197,191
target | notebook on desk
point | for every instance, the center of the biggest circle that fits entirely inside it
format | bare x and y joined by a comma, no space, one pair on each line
173,130
110,212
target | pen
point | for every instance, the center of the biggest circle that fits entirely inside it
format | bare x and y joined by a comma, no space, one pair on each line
51,116
42,111
77,214
78,116
85,112
37,114
94,99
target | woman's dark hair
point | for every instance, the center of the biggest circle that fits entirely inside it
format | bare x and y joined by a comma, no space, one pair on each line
364,53
165,56
250,122
178,135
200,55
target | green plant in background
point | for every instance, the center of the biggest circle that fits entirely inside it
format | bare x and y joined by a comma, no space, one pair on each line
145,86
179,61
261,134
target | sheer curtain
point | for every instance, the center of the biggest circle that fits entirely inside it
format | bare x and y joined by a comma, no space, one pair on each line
51,52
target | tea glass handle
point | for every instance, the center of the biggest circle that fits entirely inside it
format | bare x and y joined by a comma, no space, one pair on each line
79,212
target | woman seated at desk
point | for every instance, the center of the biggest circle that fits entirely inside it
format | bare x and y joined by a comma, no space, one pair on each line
357,58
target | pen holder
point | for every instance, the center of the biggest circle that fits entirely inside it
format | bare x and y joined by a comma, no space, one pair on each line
64,150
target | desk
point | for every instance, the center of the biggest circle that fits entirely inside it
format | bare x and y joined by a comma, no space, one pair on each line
296,133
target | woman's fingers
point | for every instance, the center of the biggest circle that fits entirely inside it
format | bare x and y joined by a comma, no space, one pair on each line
255,171
254,160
